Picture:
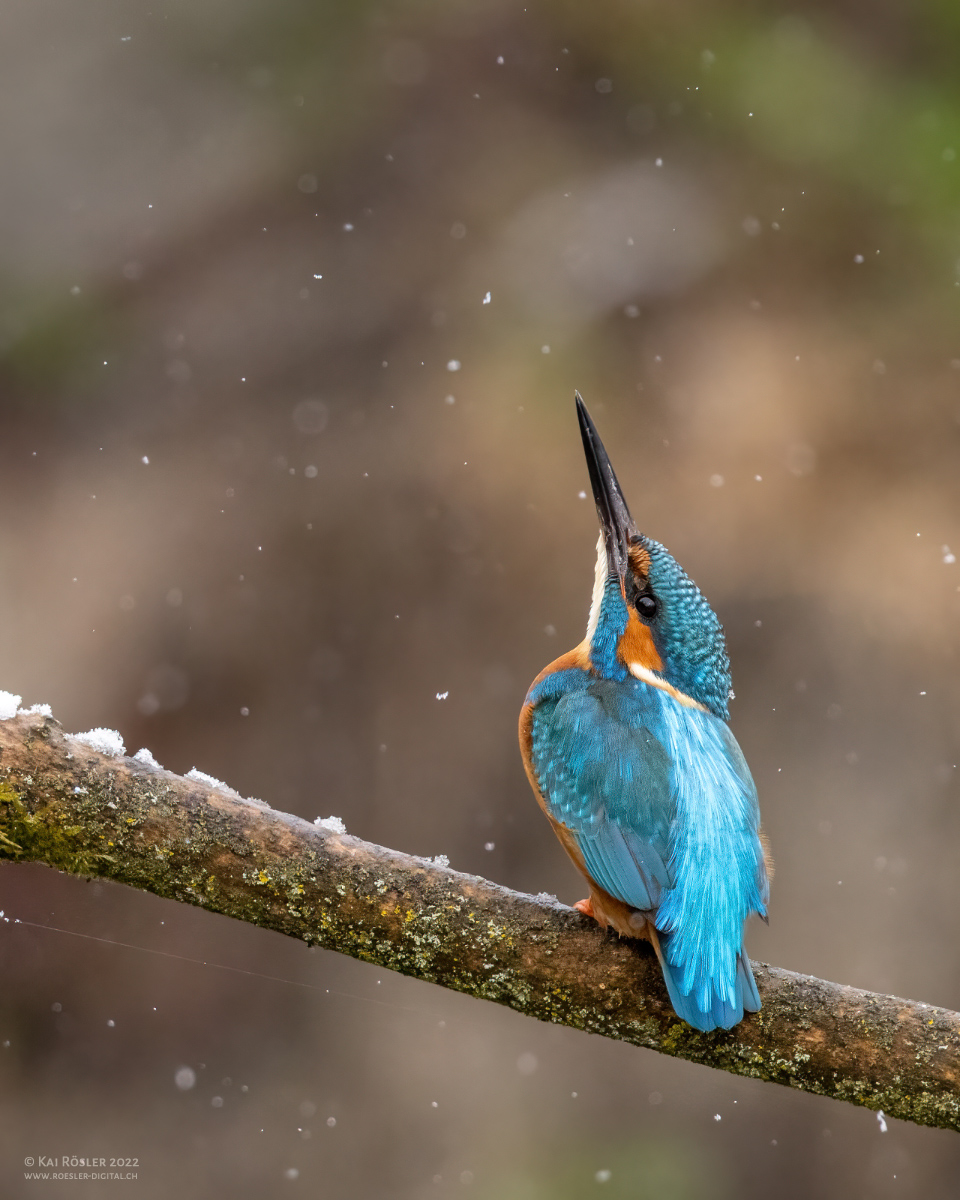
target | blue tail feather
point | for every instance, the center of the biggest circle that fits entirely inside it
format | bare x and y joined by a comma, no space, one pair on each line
746,984
720,1014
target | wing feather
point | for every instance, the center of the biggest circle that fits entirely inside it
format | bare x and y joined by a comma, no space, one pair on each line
605,776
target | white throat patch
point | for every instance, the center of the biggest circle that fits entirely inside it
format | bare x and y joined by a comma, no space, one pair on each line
599,583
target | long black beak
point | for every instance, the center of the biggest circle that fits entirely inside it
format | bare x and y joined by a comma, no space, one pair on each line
615,520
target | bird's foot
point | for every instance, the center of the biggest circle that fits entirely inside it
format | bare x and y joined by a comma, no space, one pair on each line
586,907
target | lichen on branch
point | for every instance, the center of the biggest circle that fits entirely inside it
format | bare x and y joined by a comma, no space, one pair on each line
66,804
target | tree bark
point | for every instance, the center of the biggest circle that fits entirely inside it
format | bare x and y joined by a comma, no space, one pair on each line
64,804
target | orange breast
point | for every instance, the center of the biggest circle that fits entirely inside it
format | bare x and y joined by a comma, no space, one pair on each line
579,656
607,910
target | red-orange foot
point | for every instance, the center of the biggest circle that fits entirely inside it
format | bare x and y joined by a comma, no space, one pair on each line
586,907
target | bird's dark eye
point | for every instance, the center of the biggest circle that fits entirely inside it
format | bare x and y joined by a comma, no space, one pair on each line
647,607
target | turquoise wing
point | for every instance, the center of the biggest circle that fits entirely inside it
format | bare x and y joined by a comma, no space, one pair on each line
605,775
661,804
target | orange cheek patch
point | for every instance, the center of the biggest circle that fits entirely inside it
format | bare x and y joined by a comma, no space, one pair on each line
636,645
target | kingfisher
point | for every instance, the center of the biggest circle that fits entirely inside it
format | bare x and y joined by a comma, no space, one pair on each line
626,745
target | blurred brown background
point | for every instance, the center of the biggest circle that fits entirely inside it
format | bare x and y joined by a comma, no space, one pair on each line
265,447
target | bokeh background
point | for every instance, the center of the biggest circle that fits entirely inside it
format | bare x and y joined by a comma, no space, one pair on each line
293,302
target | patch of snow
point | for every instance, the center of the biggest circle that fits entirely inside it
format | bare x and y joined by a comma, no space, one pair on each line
9,703
105,741
330,824
546,898
209,780
144,756
439,860
36,710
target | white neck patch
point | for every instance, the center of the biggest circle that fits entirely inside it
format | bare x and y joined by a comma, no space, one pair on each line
657,681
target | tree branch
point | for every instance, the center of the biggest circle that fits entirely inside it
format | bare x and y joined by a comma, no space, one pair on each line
64,804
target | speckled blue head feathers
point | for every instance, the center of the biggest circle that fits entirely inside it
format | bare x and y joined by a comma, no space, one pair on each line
687,633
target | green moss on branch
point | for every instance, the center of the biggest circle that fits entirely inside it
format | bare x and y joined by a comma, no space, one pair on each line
65,805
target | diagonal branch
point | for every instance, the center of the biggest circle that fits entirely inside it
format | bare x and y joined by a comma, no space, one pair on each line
66,805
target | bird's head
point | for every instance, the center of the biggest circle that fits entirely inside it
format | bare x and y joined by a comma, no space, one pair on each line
648,618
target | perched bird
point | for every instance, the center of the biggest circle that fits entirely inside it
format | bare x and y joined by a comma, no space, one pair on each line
626,746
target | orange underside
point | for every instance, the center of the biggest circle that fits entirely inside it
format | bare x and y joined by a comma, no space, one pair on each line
609,912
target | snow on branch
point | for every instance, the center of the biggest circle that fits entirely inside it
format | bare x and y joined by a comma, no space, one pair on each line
80,806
